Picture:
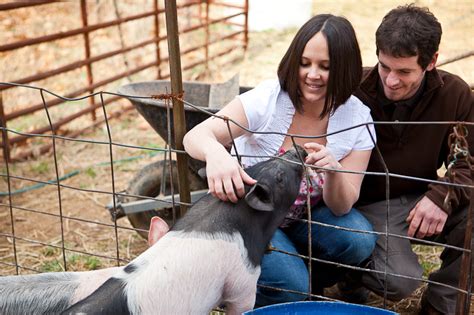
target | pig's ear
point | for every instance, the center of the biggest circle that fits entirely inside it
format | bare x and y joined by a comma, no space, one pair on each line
259,197
158,228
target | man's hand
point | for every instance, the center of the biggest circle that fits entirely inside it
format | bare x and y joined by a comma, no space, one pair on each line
427,218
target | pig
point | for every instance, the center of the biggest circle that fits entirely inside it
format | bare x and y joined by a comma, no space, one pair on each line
210,257
52,293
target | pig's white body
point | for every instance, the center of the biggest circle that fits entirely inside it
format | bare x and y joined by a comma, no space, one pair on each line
190,273
45,293
89,281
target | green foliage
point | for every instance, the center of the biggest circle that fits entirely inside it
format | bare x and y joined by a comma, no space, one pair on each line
429,267
50,251
73,259
428,257
40,168
92,263
91,172
51,266
82,262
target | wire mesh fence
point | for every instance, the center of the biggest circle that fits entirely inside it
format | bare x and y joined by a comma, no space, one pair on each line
86,46
120,243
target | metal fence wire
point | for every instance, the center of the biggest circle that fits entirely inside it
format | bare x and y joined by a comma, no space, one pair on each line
102,43
12,212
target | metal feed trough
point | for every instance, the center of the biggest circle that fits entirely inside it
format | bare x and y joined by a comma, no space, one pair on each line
153,179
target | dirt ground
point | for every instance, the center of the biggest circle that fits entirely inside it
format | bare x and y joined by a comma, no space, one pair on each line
87,229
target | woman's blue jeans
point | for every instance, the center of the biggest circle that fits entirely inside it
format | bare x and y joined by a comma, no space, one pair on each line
288,272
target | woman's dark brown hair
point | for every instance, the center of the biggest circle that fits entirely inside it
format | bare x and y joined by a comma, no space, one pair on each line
345,62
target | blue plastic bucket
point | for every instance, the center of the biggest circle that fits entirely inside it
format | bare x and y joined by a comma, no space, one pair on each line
319,307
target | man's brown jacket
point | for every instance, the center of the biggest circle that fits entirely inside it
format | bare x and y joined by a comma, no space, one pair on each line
420,150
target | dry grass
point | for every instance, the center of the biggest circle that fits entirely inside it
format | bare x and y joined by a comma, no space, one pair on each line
265,50
456,17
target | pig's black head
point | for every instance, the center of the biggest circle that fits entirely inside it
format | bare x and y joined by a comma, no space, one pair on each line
258,215
278,181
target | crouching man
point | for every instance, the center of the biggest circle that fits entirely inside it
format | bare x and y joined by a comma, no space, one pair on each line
406,86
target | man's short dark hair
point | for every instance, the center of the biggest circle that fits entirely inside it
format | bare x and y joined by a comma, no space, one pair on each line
345,62
408,31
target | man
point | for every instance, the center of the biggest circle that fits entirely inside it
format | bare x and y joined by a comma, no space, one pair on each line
406,86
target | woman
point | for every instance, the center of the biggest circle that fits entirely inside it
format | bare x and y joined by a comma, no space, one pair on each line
317,76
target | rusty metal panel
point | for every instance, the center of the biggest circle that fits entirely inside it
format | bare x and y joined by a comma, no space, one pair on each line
85,30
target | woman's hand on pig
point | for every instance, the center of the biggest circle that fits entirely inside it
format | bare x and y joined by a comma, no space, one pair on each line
226,178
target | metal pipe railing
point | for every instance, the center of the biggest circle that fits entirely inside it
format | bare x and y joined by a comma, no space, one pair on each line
23,4
82,30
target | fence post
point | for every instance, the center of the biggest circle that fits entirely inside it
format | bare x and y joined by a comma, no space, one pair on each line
465,280
6,156
87,50
3,124
246,24
207,37
178,106
157,36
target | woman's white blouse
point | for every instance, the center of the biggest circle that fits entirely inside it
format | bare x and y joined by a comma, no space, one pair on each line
269,109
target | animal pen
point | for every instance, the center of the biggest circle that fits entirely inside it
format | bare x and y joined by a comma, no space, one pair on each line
56,129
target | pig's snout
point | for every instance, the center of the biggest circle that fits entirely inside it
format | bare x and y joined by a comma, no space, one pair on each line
295,154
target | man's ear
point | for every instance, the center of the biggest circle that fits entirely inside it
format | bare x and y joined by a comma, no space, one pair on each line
432,63
260,198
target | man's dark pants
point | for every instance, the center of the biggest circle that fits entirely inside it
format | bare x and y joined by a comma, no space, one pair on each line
403,261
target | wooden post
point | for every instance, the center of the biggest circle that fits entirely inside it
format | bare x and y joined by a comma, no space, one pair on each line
87,51
465,279
157,36
178,106
207,37
246,25
3,123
